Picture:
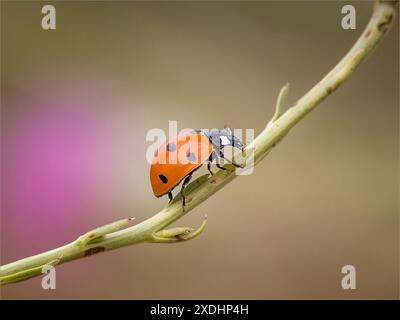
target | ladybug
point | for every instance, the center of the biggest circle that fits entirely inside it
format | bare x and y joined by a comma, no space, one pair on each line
180,156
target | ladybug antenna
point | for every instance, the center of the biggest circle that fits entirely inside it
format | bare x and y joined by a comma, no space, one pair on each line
227,129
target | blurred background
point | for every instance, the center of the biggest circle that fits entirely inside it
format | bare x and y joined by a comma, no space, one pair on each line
78,101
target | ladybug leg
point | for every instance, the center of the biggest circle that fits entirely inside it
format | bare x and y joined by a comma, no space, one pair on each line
184,184
218,164
210,160
170,196
220,167
209,168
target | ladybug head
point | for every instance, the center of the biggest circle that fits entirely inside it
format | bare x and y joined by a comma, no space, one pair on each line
229,139
224,137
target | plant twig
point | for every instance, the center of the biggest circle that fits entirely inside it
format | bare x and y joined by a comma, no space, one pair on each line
280,103
152,230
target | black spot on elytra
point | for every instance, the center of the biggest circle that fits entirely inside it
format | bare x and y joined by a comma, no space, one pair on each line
163,178
191,156
171,147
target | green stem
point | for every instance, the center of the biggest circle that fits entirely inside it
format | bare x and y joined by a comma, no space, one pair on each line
100,240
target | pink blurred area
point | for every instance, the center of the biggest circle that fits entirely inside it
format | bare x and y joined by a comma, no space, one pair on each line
65,140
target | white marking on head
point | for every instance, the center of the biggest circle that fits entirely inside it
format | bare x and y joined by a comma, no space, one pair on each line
225,141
